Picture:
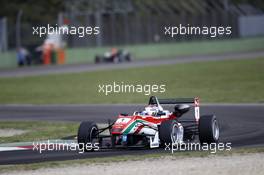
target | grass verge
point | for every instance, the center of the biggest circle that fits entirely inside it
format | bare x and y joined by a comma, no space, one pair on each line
162,50
213,81
38,130
159,50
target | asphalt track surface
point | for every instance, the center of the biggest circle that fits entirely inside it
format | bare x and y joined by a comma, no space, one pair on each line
241,124
60,69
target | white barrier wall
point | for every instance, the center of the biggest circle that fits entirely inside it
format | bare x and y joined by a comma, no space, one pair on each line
251,25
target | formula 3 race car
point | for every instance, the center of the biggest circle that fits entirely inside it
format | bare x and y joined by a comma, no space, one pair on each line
153,127
113,56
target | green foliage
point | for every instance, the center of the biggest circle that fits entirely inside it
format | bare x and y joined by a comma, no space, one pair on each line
46,11
256,3
212,81
33,11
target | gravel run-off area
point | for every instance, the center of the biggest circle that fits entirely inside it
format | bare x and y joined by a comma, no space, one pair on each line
11,132
232,165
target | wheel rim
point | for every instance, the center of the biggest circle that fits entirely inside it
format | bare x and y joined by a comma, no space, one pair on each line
92,134
174,134
215,130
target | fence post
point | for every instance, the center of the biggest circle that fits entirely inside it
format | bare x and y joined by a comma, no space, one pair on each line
98,23
3,35
18,29
125,16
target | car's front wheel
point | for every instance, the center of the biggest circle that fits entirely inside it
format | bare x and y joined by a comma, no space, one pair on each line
170,131
97,59
87,134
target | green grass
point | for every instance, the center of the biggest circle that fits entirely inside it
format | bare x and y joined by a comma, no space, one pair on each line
161,50
213,81
158,50
8,59
179,155
38,130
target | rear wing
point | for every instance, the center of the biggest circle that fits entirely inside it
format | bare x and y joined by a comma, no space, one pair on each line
154,100
195,101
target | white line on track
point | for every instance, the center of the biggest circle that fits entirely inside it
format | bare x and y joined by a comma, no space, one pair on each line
12,148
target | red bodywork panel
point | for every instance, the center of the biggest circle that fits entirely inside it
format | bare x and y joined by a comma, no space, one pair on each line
123,121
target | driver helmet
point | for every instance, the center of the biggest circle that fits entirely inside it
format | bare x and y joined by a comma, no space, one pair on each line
151,110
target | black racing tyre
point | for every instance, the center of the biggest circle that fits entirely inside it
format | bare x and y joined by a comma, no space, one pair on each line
116,59
97,59
113,141
168,132
128,58
87,133
208,129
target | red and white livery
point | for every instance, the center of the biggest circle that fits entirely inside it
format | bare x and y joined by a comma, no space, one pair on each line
154,126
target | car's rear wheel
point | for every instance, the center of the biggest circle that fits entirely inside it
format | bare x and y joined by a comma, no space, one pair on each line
208,129
87,134
128,57
170,131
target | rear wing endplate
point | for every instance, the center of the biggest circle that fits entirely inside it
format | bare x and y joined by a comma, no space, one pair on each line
154,100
